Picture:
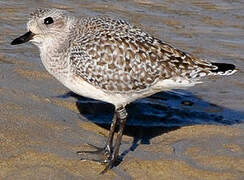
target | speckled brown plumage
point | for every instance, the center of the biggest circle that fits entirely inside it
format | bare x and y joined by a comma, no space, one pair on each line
116,56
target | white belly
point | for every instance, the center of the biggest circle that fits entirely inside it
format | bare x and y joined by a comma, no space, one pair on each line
81,87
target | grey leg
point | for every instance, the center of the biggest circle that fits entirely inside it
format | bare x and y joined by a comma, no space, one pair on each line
122,116
111,153
107,150
109,143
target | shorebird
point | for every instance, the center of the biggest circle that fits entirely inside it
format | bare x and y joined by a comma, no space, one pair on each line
112,61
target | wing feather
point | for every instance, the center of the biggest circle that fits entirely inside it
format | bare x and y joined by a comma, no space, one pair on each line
118,57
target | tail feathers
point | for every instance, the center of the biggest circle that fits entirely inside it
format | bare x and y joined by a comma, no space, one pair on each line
223,69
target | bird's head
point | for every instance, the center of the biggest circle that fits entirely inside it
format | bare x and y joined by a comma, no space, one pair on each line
45,25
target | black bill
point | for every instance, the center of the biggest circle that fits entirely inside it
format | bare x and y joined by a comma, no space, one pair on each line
22,39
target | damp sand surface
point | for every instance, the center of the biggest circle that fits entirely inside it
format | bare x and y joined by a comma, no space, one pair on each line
191,134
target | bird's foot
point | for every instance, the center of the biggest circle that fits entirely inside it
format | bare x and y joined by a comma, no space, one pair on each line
103,156
114,161
104,150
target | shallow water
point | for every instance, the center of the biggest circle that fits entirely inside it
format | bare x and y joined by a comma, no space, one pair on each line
212,29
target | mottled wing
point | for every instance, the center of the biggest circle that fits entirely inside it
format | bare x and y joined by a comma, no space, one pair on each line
118,57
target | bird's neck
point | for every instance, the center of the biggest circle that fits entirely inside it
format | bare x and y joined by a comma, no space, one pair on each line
54,56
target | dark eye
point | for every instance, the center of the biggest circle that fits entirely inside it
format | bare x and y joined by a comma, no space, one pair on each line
48,20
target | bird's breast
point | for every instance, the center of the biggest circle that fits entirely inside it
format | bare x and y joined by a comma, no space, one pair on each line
55,64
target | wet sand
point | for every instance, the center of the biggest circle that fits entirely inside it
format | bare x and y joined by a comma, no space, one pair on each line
197,135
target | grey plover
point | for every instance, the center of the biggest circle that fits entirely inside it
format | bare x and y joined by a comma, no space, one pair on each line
113,61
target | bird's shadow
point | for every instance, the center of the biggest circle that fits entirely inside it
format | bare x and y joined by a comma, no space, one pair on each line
157,114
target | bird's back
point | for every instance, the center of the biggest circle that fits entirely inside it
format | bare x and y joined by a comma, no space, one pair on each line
118,57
